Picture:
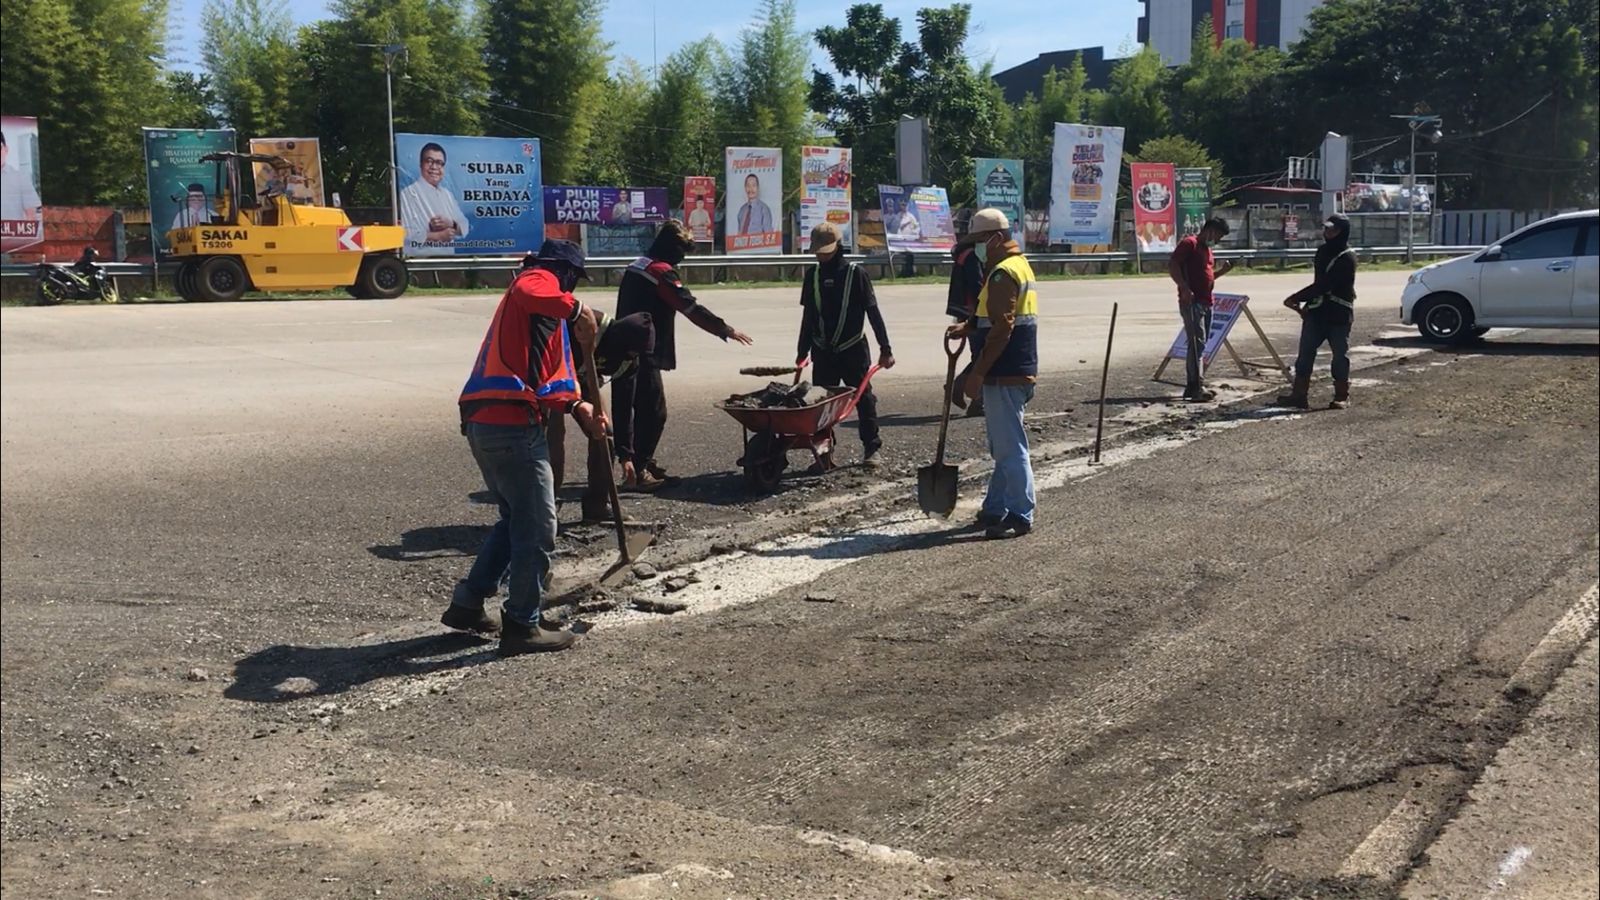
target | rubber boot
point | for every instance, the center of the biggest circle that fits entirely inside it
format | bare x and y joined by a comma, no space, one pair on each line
1296,398
1341,395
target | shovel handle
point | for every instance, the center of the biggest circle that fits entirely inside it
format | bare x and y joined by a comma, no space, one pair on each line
592,384
953,351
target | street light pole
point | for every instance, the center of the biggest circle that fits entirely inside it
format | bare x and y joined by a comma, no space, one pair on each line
1433,134
390,51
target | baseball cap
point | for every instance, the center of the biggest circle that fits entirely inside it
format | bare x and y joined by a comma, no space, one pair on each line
564,251
985,222
824,238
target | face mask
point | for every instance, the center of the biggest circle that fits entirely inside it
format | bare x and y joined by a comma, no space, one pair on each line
981,251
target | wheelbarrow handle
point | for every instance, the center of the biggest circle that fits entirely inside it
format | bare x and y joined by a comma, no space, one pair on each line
799,368
855,398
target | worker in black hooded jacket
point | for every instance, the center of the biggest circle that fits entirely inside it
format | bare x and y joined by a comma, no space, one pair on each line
639,403
1327,308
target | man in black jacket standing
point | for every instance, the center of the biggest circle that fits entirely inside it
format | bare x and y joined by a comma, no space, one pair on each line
1327,308
837,301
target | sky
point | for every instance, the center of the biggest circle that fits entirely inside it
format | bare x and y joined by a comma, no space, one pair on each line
1004,31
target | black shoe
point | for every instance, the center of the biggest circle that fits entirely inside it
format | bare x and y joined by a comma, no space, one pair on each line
463,618
1011,526
517,639
975,411
1199,395
988,520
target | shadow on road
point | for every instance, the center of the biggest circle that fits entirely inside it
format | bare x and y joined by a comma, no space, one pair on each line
898,420
864,544
1491,347
433,541
282,673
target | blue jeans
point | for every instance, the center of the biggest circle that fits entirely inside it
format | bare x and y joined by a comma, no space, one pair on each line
1011,485
515,461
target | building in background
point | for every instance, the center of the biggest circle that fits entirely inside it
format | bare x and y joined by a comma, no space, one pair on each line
1019,81
1168,25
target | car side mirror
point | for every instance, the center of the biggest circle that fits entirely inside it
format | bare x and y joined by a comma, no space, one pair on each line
1493,254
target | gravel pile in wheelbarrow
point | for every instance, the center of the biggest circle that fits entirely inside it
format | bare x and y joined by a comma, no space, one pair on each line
778,395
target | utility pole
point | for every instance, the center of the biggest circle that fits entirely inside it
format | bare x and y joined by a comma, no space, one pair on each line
1431,131
390,51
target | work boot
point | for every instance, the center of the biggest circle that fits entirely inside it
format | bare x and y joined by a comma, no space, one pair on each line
868,451
596,513
1010,526
660,474
1341,395
517,639
1199,393
464,618
989,520
1296,398
975,409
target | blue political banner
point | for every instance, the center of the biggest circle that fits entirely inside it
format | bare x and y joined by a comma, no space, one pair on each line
469,196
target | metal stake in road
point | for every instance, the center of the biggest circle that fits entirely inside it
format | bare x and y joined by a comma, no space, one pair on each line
1105,372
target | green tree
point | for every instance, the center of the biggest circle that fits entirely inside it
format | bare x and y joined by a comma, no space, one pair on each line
249,53
619,130
191,101
765,90
685,107
858,112
546,59
440,84
89,70
1135,99
1227,97
1030,135
1516,84
1183,153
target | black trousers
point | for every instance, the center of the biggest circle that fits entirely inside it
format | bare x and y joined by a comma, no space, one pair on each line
849,367
639,409
1325,326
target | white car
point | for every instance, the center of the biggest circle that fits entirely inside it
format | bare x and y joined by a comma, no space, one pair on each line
1545,275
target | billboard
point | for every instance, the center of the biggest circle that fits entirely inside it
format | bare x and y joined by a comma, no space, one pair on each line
1369,197
627,240
1155,206
21,210
301,179
1194,199
605,205
1084,164
825,188
1000,187
699,207
469,195
181,186
754,200
916,219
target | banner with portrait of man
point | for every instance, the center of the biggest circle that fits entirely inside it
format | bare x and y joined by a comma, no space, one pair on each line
469,196
21,210
754,200
299,176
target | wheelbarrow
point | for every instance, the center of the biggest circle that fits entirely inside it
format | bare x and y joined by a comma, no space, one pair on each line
769,434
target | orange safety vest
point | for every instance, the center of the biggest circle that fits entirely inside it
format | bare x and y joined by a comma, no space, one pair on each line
494,377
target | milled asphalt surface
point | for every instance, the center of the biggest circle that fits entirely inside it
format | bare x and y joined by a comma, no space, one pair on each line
1212,671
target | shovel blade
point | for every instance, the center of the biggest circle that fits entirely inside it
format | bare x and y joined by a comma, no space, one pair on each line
637,543
936,489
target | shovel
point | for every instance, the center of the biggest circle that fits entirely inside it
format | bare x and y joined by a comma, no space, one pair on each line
629,546
936,483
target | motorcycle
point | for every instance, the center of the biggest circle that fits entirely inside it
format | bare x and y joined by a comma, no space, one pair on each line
81,281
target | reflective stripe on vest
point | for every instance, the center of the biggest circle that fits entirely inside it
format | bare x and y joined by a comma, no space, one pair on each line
1027,296
821,339
1315,302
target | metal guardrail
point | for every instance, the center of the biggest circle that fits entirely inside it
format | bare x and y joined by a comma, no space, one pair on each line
610,264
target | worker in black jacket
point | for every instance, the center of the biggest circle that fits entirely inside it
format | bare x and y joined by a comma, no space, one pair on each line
837,301
966,282
1327,308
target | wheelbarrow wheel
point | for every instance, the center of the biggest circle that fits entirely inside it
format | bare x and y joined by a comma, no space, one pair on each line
764,462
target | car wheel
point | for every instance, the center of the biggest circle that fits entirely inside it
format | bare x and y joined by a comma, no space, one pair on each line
220,279
1446,319
381,277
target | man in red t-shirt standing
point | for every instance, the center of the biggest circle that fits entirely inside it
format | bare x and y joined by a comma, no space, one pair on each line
1191,267
523,375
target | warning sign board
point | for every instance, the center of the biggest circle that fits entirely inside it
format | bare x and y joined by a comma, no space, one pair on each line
350,239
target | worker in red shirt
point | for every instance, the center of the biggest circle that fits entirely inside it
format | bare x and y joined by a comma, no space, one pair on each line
1193,270
651,285
524,373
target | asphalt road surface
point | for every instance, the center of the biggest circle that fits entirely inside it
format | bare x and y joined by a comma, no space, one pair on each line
1251,655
